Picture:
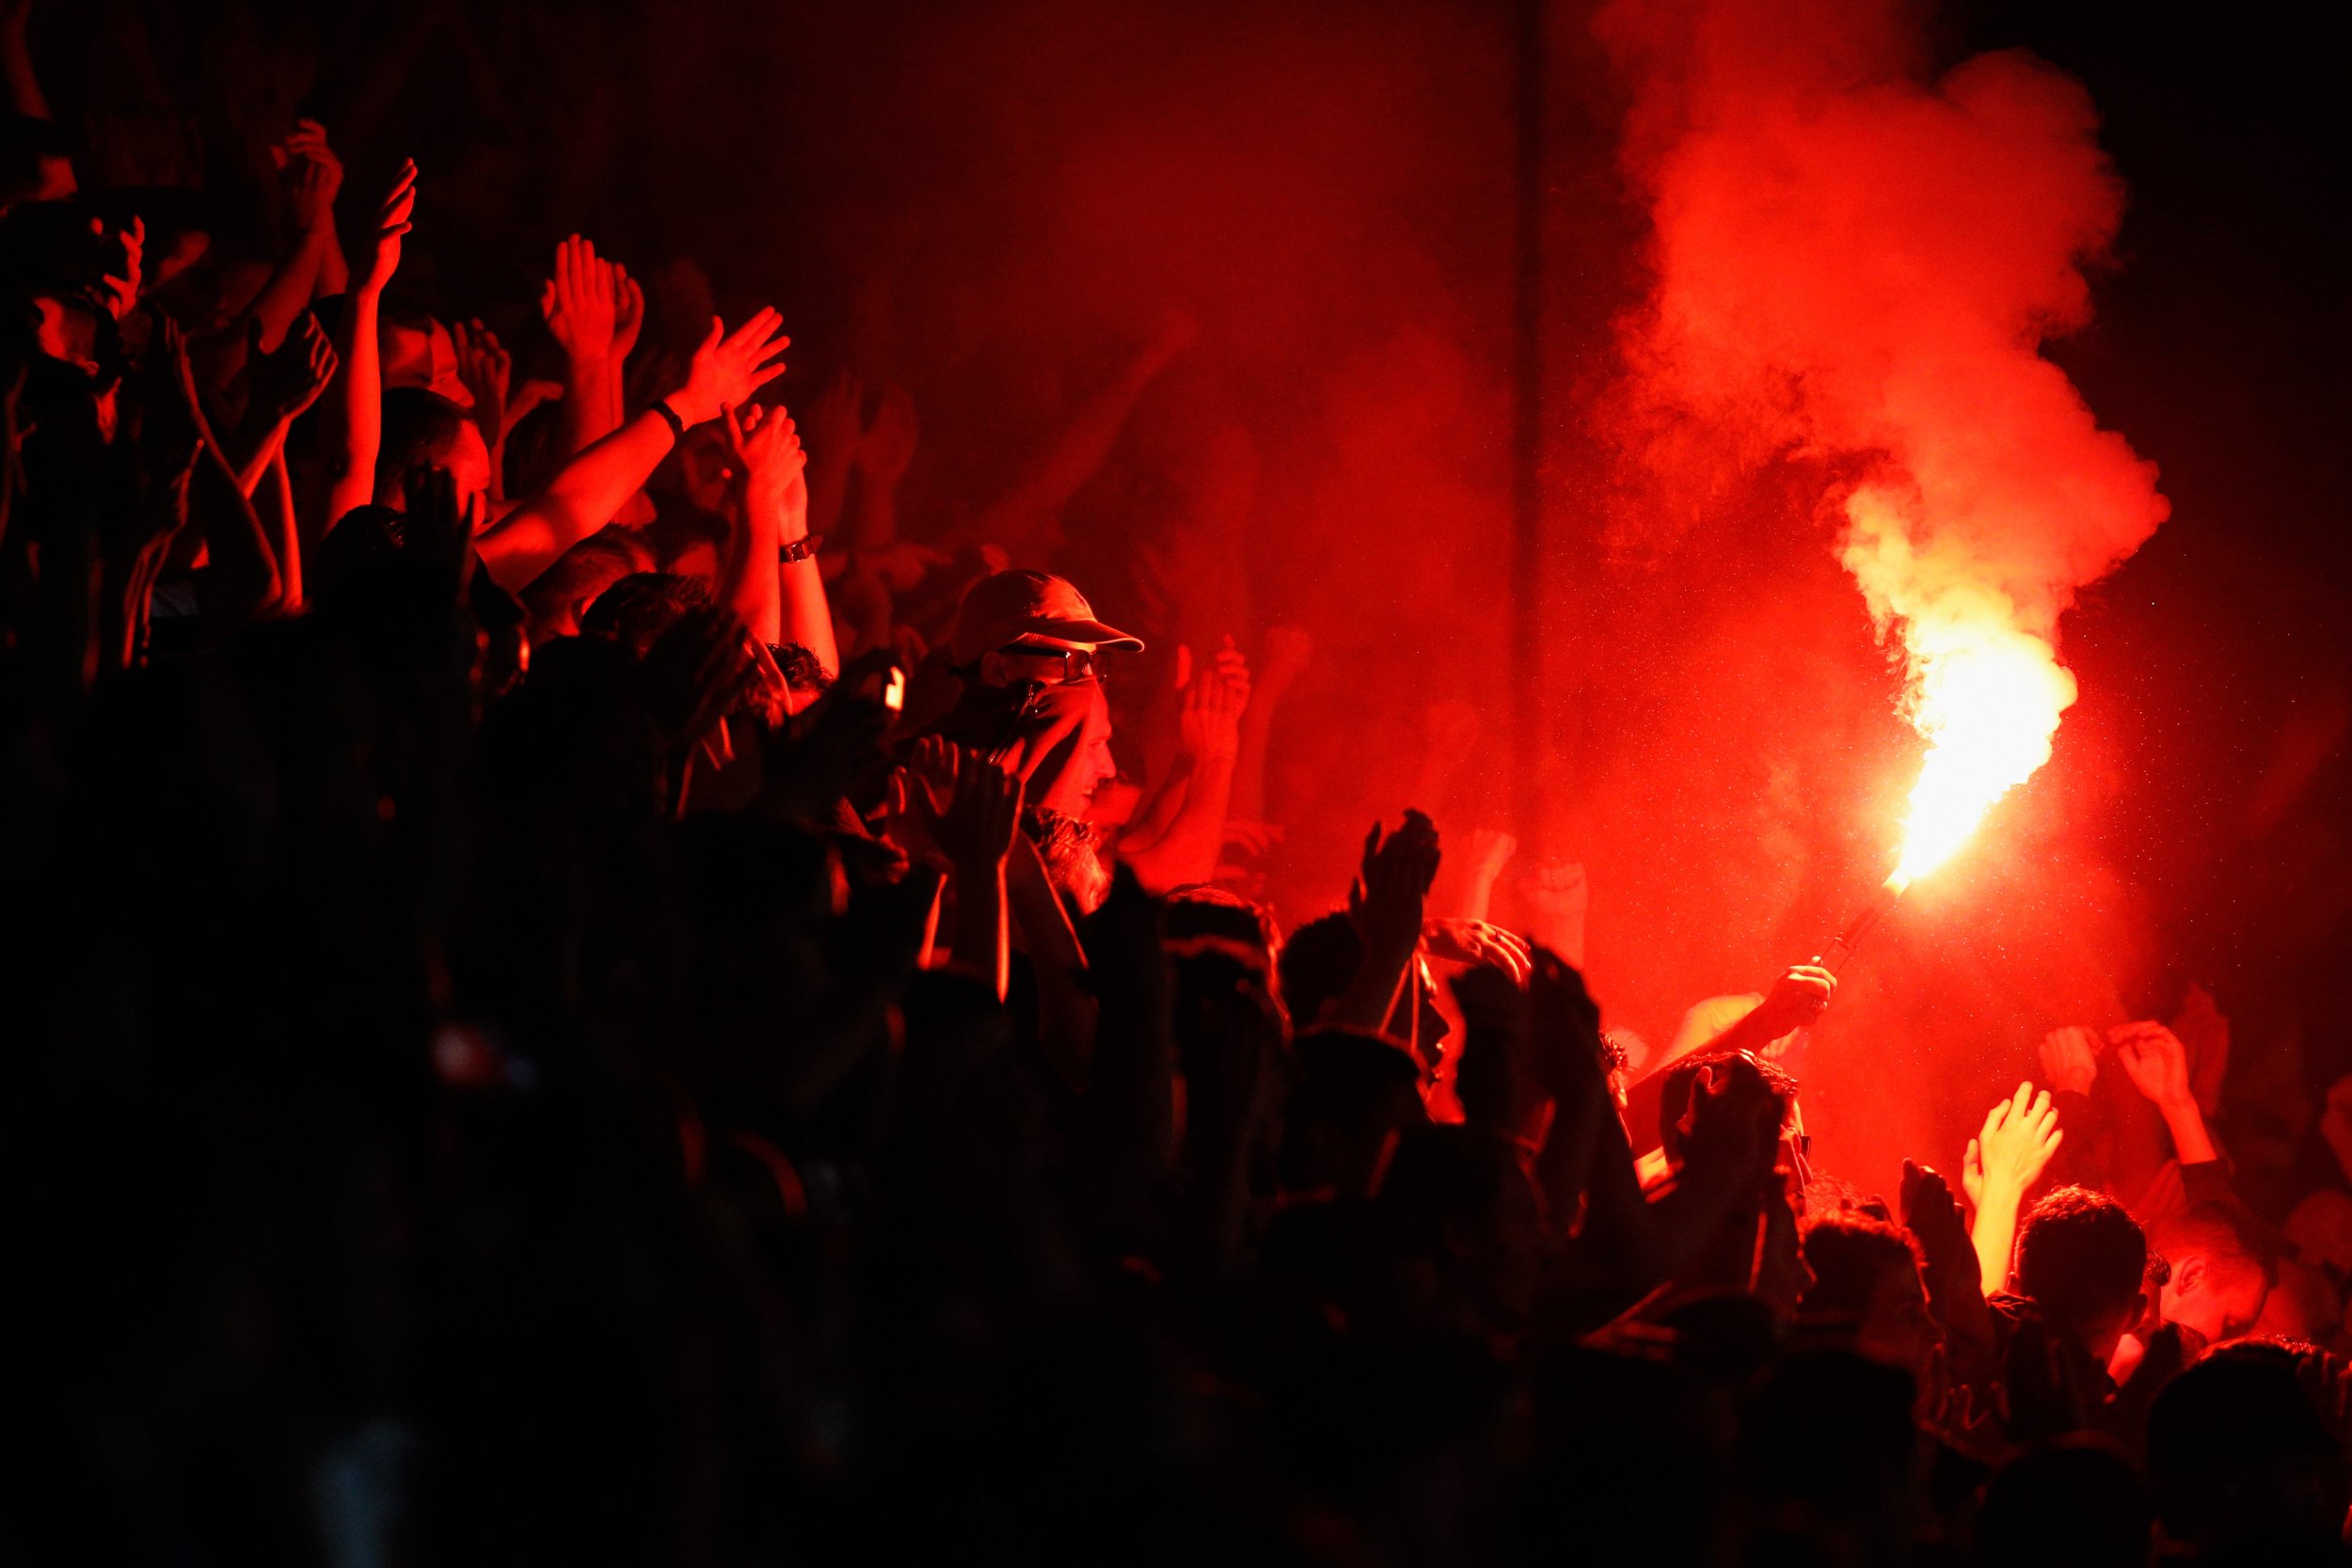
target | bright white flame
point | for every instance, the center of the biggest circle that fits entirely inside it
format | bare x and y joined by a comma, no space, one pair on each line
1982,689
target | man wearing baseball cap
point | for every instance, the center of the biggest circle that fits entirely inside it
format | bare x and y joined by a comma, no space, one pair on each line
1021,625
1017,680
1016,631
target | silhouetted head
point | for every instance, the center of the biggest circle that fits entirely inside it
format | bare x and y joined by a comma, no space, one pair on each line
1830,1453
1202,917
1675,1096
1354,1095
2084,1261
423,430
2074,1502
2237,1455
639,608
558,598
1457,1204
1866,1281
1317,965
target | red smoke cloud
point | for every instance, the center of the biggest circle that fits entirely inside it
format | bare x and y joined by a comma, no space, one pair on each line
1858,265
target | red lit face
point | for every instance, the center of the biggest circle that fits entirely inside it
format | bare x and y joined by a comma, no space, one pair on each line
1091,766
2221,1299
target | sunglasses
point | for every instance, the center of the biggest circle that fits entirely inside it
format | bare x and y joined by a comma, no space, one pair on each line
1077,664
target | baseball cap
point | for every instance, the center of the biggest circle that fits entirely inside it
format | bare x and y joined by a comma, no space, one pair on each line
1038,607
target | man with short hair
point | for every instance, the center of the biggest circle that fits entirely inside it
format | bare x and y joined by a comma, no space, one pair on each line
2083,1260
1867,1292
2221,1271
2081,1287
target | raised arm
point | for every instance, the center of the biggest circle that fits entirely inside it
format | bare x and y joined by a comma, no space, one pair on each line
835,425
581,305
883,452
1389,904
282,386
488,374
360,424
778,590
585,493
628,324
314,259
2004,1161
977,831
1215,701
238,580
1798,998
1284,658
2157,1064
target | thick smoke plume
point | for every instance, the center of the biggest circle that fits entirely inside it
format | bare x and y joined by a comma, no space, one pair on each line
1858,265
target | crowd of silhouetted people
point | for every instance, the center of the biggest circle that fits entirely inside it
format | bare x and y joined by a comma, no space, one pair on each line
580,995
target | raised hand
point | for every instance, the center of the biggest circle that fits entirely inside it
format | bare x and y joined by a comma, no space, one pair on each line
1491,850
2205,1030
1933,1217
2156,1061
886,447
313,175
2008,1154
2070,1058
1798,999
730,366
1213,699
1389,898
766,446
1732,1123
976,831
487,371
1476,941
392,222
286,381
836,425
1287,653
578,303
924,783
1556,895
2157,1064
1566,1055
122,284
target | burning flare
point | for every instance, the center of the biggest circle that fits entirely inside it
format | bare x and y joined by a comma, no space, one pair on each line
1859,264
1984,693
1988,707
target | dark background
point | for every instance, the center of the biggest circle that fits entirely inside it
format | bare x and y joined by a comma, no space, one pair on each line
993,202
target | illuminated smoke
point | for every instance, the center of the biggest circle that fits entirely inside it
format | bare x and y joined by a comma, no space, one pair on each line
1858,265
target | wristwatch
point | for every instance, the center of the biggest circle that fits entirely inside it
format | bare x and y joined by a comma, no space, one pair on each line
803,548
